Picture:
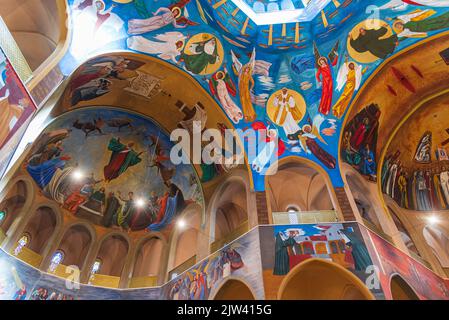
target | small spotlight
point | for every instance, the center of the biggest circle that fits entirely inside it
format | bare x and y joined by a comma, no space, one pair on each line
78,175
181,224
140,203
433,219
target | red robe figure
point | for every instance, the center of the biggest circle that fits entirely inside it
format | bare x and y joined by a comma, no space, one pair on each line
324,76
122,158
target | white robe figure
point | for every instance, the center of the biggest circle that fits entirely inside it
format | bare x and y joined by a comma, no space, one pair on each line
444,179
266,154
400,5
285,103
87,37
167,47
392,180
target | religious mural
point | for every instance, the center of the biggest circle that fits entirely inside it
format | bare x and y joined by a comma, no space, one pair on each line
112,168
415,169
243,64
392,261
16,107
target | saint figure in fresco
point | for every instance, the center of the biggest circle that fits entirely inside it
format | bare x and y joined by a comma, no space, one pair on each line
424,149
44,172
222,86
372,41
362,259
368,165
203,54
281,257
161,18
287,115
324,76
349,79
122,157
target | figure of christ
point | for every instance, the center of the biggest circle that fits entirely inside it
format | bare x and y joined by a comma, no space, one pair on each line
287,114
122,157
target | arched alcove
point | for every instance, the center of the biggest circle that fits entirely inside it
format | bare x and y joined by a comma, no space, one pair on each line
231,213
405,235
363,200
401,290
75,244
284,192
39,232
317,279
438,242
233,289
148,263
36,26
12,204
112,253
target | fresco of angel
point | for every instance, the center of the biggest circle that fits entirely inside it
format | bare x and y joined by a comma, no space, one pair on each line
163,17
272,146
399,5
246,82
222,86
349,79
168,46
307,137
324,76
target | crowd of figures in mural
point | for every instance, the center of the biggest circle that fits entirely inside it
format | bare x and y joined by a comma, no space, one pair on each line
131,184
251,69
423,188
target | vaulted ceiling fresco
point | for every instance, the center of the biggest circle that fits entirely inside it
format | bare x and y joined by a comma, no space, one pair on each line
297,76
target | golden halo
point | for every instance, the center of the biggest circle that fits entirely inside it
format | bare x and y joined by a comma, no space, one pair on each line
272,110
220,73
307,128
179,10
366,57
395,29
200,37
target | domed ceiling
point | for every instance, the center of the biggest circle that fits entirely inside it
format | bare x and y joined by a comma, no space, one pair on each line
298,76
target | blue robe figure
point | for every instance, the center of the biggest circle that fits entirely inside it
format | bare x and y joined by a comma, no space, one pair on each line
422,193
368,164
43,173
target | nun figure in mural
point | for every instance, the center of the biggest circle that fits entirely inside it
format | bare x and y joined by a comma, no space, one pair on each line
281,258
373,41
359,252
203,54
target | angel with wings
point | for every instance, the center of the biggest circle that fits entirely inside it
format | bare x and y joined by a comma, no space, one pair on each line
399,5
349,79
246,84
272,146
168,46
222,86
307,137
324,76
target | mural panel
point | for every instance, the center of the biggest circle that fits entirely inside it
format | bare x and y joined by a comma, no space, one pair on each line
112,168
16,109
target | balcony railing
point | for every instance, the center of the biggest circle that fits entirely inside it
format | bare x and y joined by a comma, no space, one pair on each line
182,267
234,234
304,217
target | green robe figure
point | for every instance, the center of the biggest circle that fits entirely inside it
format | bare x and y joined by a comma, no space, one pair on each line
122,158
204,53
369,41
407,27
281,258
362,259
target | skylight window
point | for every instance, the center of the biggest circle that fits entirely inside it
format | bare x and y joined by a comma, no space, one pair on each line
265,12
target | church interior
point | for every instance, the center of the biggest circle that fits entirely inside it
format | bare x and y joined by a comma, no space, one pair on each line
224,150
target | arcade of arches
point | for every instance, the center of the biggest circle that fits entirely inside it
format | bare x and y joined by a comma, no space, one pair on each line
349,179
